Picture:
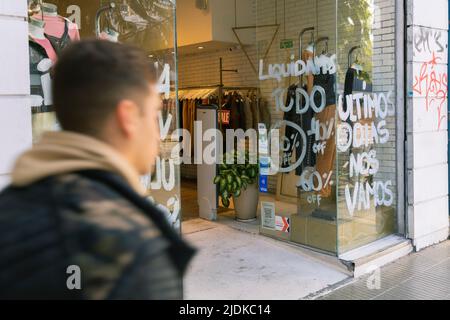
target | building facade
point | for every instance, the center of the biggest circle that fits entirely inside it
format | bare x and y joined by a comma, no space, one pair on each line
358,90
426,208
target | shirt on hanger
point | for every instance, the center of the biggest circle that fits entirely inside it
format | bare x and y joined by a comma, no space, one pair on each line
48,47
55,25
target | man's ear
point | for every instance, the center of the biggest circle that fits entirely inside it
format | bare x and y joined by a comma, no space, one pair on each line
127,117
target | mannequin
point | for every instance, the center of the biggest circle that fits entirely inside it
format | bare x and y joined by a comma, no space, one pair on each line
110,35
49,9
309,49
42,57
57,26
303,120
308,54
34,7
36,28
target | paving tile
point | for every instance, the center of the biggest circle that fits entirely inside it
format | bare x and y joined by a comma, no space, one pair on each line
424,275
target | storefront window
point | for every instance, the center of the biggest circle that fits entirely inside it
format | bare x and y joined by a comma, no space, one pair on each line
147,24
329,75
326,81
367,185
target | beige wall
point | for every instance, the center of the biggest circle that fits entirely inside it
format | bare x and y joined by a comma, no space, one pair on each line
193,25
15,113
197,26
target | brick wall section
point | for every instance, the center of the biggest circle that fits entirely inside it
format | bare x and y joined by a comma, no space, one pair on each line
15,115
427,164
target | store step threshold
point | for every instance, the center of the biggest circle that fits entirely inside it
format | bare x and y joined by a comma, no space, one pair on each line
368,258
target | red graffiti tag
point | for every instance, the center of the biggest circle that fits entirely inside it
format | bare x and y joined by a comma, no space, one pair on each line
434,85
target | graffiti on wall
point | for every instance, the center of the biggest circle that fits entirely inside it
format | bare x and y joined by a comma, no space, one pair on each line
430,79
433,84
428,41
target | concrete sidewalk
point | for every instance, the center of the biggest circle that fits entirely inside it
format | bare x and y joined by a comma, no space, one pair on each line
423,275
235,264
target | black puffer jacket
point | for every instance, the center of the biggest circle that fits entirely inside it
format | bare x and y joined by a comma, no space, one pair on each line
123,245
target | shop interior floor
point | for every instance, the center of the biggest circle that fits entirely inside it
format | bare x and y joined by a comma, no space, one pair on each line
189,200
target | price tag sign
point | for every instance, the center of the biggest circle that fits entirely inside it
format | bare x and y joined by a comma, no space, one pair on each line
264,164
224,116
263,184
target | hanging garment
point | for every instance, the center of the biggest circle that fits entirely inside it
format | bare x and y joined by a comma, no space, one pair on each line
187,115
40,81
57,26
325,161
59,43
180,113
242,119
264,113
169,108
348,86
294,142
226,108
255,112
226,113
236,113
328,83
248,113
192,107
354,84
192,116
173,112
139,22
48,47
37,54
195,103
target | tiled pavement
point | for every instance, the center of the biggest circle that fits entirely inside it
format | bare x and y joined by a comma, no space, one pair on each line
423,275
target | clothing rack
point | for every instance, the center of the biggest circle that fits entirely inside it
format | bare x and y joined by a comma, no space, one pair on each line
210,90
199,92
205,91
220,88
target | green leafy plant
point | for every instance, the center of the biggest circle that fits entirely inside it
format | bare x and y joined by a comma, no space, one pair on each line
233,178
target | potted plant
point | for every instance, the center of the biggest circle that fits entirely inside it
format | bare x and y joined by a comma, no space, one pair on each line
240,183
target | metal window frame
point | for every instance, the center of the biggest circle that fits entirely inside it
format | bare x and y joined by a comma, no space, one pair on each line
400,58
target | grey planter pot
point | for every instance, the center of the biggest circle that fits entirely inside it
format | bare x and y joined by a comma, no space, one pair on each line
246,204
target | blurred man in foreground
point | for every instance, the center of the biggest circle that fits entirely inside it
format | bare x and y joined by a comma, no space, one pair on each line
75,206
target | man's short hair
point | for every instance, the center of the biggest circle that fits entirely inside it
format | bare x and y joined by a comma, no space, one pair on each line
91,77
